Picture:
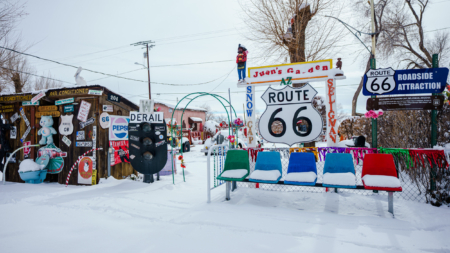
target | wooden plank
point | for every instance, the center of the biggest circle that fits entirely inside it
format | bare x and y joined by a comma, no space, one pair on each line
52,113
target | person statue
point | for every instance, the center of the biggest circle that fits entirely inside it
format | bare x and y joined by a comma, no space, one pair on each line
241,61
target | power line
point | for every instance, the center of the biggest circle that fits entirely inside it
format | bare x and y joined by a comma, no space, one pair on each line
26,73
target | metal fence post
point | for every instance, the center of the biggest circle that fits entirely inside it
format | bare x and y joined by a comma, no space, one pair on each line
434,130
391,202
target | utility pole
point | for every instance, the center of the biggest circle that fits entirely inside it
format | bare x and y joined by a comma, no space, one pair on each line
373,65
147,44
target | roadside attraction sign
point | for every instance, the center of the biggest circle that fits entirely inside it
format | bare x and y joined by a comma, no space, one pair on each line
405,103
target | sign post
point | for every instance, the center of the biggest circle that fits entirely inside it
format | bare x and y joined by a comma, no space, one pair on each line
434,129
250,111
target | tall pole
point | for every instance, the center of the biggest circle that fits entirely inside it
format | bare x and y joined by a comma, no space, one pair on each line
373,66
148,67
435,64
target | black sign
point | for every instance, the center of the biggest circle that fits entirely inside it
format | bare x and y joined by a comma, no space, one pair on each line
405,103
113,98
148,151
87,123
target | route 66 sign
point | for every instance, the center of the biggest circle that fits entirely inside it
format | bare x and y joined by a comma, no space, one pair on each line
380,81
289,106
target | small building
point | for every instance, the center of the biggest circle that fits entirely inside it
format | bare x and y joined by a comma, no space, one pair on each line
99,98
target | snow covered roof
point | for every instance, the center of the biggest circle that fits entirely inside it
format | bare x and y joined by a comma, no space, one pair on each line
180,106
196,119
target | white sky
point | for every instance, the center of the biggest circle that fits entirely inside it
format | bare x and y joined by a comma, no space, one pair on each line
64,30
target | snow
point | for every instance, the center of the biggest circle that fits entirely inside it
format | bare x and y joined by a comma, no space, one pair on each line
180,107
347,178
210,125
267,175
381,181
303,5
29,165
130,216
333,72
196,119
301,177
239,173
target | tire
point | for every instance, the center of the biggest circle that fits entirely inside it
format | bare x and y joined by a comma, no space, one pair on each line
240,145
186,147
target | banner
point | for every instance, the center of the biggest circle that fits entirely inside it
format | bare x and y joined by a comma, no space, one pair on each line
121,152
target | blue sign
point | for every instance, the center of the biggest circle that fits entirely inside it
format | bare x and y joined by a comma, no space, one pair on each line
68,108
407,81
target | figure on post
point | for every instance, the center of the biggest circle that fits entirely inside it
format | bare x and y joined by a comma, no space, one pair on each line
241,61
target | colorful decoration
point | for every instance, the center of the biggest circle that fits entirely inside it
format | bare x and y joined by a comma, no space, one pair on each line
231,138
373,114
79,159
47,131
238,122
182,161
56,162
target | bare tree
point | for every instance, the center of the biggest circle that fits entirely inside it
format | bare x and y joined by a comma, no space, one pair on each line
209,114
42,83
293,28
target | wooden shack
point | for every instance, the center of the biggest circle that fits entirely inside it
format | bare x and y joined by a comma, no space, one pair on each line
99,97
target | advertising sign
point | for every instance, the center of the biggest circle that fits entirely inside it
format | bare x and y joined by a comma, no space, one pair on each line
85,170
64,101
80,136
108,108
405,103
121,152
407,81
83,112
37,97
295,72
118,129
104,120
288,106
26,151
113,98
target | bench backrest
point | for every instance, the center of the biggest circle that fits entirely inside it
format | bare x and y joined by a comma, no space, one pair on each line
338,163
379,164
268,161
302,162
237,159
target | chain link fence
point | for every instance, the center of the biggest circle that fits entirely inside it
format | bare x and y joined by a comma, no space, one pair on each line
412,190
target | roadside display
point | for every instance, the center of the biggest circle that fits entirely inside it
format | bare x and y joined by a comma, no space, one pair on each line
83,112
405,103
85,170
118,130
121,152
407,81
148,149
288,106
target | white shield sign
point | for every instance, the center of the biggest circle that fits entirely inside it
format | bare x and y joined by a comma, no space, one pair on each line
104,120
380,81
286,109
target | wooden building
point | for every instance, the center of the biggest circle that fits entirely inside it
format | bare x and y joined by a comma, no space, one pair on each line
98,96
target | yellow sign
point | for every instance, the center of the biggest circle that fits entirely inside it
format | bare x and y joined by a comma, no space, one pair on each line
94,177
48,108
53,114
68,92
6,108
16,98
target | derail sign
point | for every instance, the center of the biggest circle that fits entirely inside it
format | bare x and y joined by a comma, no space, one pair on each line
136,117
407,81
288,107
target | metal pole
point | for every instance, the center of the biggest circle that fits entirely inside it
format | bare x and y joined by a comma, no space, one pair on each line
373,66
109,162
391,202
7,161
148,67
434,130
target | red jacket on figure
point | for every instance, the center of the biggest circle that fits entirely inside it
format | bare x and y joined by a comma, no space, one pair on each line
241,57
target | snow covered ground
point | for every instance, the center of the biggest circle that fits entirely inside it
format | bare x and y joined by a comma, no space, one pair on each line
130,216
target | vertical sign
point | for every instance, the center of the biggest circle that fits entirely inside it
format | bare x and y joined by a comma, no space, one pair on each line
250,112
83,111
332,137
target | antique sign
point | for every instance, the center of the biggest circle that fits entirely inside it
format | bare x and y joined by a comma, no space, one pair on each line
104,120
6,108
14,117
47,108
28,103
68,108
85,170
118,129
405,103
287,107
108,108
16,98
24,136
406,81
13,132
66,141
331,108
95,92
83,112
87,123
156,117
83,144
80,136
52,113
66,127
22,112
64,101
113,98
26,151
38,96
68,92
121,152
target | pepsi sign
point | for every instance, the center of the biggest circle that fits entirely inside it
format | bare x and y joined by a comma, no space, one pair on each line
118,130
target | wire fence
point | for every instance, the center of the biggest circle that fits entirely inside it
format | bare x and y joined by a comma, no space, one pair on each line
412,189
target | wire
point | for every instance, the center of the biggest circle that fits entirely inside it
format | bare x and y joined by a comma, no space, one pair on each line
35,75
223,79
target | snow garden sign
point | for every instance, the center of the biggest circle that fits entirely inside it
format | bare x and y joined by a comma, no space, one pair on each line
289,106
